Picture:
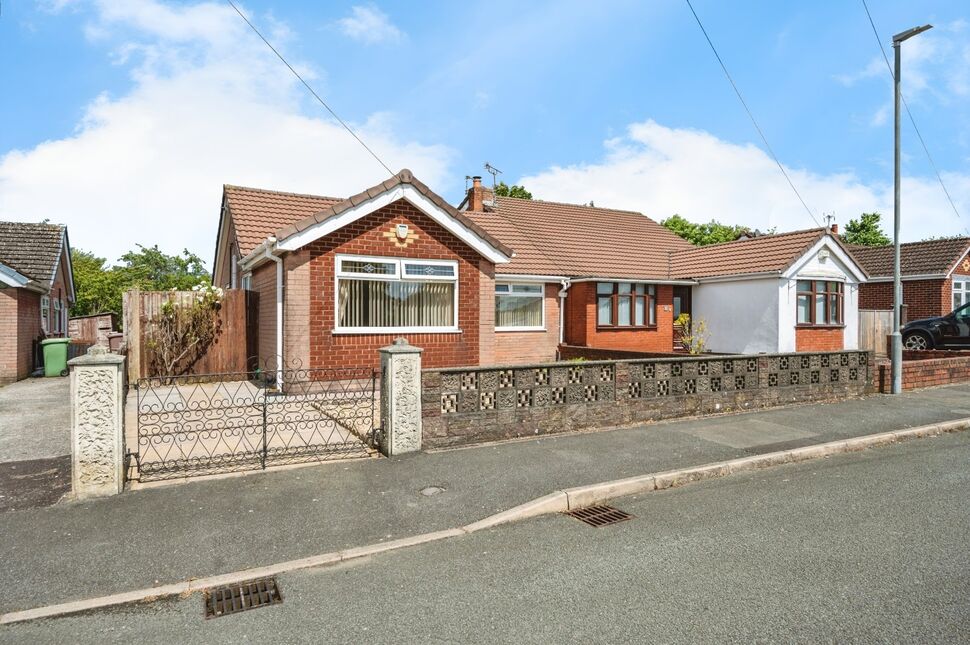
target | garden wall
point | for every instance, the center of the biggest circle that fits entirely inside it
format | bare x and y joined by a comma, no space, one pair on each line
471,405
927,368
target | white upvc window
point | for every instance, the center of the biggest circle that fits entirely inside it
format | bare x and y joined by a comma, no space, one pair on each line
382,295
45,313
247,281
961,291
519,307
56,318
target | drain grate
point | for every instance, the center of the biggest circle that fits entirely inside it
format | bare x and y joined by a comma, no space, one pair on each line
233,599
599,515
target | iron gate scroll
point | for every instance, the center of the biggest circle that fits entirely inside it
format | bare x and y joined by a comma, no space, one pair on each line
215,423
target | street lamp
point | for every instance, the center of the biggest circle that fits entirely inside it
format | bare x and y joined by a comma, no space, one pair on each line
897,342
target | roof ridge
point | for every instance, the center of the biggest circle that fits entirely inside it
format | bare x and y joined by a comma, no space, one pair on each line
772,236
270,191
599,208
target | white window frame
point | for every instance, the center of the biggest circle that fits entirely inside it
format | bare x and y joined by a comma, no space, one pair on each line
964,280
397,276
511,293
247,281
56,316
45,313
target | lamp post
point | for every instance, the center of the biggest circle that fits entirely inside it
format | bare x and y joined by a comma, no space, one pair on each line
897,338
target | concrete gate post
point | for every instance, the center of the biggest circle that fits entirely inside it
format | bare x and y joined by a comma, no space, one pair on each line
97,423
400,398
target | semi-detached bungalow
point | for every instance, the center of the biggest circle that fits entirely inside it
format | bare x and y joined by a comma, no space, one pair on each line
503,280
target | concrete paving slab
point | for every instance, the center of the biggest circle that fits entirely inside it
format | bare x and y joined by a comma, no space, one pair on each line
747,433
35,419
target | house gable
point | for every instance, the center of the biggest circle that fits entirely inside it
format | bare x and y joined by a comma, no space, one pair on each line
826,259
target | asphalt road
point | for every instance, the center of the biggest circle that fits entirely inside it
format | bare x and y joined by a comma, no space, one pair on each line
867,547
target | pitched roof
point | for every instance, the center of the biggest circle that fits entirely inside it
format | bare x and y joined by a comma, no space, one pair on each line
258,213
762,254
32,250
552,238
933,257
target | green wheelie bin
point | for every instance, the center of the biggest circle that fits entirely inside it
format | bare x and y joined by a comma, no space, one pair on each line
55,356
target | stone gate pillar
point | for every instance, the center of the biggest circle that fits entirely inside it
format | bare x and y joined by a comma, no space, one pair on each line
97,423
400,398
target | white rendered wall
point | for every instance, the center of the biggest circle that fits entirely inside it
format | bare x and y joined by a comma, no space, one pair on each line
741,315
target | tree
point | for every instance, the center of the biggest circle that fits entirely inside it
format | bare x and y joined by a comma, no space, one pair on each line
865,231
98,289
504,190
712,232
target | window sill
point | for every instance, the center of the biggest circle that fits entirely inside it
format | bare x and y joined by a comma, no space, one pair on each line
376,331
518,329
809,326
628,328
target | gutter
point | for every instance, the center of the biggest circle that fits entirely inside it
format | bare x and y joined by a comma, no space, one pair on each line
685,282
269,252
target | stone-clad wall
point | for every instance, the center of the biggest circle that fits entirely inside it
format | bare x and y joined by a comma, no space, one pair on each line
471,405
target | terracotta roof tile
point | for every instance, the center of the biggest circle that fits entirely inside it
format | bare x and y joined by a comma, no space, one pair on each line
31,249
756,255
932,257
258,213
552,238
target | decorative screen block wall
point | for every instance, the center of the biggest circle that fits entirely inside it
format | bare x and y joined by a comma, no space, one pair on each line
485,404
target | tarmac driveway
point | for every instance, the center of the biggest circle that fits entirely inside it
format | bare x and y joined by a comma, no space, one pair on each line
35,442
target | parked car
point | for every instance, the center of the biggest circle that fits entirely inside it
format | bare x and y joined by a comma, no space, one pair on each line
951,331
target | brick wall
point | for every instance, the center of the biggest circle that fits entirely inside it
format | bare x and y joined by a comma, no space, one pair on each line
819,339
366,237
9,346
19,328
581,328
264,283
927,369
925,298
529,346
462,406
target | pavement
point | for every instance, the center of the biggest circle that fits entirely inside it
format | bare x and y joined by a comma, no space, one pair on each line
35,442
864,547
168,534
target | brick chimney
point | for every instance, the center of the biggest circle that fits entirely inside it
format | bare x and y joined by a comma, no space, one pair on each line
476,195
835,229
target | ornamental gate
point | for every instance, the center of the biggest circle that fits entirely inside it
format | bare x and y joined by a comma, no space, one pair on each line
216,423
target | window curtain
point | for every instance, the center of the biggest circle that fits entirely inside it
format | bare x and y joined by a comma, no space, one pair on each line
518,311
372,303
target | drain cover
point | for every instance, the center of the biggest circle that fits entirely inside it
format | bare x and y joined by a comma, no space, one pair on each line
233,599
600,515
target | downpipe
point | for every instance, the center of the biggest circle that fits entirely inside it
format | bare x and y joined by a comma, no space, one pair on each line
270,253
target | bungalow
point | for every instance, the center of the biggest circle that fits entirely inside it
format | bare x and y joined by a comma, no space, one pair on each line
935,276
503,280
36,291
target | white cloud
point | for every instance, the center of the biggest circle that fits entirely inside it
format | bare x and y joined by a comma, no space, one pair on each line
208,105
369,24
661,171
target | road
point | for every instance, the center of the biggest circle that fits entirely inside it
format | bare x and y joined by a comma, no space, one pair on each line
867,547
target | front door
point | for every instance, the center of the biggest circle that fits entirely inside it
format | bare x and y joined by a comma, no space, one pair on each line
681,306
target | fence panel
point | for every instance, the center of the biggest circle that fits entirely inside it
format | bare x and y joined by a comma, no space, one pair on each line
874,326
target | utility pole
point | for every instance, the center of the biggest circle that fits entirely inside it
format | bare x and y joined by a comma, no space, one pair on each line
897,337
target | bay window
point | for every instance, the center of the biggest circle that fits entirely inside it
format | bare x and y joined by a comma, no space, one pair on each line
819,302
519,307
386,295
626,304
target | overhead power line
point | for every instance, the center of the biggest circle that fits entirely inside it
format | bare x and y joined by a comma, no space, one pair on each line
912,120
310,89
751,116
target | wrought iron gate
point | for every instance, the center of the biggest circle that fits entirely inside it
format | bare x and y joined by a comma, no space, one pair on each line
216,423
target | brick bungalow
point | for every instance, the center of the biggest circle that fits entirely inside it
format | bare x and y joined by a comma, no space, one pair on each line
935,276
502,280
36,291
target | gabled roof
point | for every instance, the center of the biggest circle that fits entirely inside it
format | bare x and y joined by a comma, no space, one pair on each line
571,240
762,254
933,257
32,250
258,213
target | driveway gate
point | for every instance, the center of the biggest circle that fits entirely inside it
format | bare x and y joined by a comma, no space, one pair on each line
215,423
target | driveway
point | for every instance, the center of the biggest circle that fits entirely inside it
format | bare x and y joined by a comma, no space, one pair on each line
35,442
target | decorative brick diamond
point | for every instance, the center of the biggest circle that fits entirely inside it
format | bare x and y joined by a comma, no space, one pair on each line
663,388
703,368
794,378
589,393
690,386
783,363
575,374
815,376
636,390
649,370
739,382
606,373
853,374
715,384
805,361
728,367
772,380
752,365
824,360
834,375
676,369
558,395
844,360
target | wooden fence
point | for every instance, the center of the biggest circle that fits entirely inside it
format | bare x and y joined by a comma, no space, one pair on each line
874,326
235,342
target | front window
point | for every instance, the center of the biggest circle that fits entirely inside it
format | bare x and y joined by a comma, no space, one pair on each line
45,313
383,295
626,304
518,307
56,319
961,291
819,302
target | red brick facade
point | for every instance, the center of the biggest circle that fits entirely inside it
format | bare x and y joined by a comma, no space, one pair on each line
928,369
925,298
581,328
366,237
513,347
819,339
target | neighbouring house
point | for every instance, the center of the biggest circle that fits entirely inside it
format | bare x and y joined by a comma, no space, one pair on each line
935,276
36,291
503,280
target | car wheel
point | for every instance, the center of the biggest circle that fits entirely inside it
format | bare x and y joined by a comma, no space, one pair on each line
917,341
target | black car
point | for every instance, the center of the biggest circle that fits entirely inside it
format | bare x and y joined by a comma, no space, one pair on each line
951,331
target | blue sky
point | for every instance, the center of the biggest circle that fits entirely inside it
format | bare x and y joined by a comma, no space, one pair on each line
124,119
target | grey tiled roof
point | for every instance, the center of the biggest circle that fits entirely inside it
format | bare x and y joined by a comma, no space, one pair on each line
31,249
